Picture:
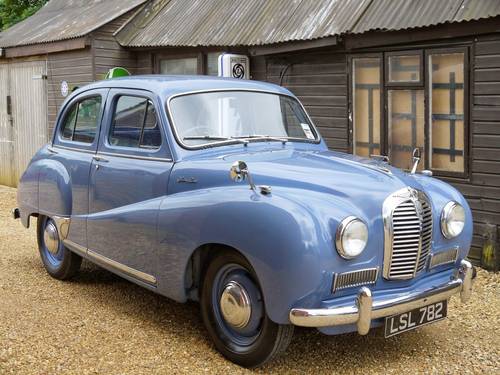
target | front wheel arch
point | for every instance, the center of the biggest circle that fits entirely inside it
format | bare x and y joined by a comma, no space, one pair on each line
198,264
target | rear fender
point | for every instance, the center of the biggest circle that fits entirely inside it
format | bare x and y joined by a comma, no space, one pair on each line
54,188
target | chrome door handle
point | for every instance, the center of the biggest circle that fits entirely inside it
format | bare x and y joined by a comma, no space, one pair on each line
99,158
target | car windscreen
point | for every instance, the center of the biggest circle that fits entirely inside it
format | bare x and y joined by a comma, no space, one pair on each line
220,117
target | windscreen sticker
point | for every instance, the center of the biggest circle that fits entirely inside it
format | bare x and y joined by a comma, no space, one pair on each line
307,131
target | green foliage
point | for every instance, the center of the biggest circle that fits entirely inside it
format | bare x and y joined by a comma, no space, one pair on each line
13,11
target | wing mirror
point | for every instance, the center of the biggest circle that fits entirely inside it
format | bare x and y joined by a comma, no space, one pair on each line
239,172
416,159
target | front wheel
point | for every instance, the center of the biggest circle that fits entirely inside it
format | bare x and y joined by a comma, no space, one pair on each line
59,262
234,313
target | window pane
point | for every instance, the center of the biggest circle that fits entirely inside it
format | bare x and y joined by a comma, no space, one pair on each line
219,116
404,68
293,117
406,126
447,111
69,123
151,137
128,121
366,106
87,119
213,63
179,66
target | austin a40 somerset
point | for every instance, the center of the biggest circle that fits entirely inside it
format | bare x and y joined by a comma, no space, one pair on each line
223,191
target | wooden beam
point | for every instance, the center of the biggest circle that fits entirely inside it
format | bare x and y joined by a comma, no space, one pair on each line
292,46
44,48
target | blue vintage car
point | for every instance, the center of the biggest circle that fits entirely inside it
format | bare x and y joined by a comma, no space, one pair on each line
223,191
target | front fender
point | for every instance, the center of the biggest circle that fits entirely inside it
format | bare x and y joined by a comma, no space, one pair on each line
288,244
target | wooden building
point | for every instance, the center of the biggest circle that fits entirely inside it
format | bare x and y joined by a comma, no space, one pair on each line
66,44
377,77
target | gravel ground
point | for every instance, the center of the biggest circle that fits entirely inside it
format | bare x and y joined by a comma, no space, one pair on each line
101,324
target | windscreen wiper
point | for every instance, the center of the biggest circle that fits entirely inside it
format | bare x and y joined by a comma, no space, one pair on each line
214,138
264,137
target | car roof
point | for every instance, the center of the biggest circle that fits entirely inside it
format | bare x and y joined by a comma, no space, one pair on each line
168,85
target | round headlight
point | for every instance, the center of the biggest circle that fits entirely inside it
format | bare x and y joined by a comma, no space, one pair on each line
452,220
351,237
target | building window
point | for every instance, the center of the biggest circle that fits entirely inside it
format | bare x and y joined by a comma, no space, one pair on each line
446,93
181,66
81,121
135,124
406,126
366,90
425,108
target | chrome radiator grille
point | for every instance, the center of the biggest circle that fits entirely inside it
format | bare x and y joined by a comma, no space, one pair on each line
408,234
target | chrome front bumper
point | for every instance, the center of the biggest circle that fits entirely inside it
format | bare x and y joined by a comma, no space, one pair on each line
366,309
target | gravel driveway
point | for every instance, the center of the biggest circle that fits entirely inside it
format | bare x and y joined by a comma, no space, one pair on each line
101,324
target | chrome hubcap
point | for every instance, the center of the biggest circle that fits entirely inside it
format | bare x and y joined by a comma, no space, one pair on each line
235,305
51,238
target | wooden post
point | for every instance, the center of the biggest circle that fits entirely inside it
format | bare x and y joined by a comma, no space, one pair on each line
490,257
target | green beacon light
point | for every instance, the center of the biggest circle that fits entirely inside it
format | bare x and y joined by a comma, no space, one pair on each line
117,72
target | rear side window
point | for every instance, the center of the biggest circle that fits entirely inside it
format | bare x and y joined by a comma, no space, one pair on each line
80,124
135,124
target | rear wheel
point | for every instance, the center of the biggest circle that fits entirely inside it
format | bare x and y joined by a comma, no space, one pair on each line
234,313
59,262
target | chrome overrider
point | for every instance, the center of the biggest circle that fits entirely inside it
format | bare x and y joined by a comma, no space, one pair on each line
367,309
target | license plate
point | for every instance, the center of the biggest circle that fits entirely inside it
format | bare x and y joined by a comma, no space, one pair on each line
421,316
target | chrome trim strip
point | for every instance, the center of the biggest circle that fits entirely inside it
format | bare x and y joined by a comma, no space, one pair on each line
73,246
150,279
139,157
316,140
92,255
73,149
365,309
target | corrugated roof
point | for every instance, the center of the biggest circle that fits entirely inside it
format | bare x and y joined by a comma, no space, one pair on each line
65,19
176,23
232,23
404,14
391,15
474,9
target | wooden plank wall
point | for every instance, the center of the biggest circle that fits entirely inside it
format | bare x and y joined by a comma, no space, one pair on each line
483,190
80,67
319,80
144,62
108,53
74,67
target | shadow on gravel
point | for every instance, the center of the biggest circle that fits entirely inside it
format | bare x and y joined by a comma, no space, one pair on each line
309,349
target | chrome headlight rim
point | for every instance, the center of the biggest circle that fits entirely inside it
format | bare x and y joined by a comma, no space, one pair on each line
339,236
445,215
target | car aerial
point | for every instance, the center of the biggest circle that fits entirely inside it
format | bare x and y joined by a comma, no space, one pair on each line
222,191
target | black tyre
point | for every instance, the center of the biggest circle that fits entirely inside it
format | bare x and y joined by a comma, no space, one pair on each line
59,262
235,316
